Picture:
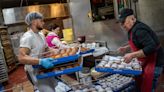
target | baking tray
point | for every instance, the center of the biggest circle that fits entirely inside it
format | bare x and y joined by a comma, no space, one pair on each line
88,51
118,71
62,60
125,88
132,84
61,72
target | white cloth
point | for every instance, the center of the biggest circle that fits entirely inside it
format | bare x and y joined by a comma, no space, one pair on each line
57,41
37,44
42,33
100,51
61,87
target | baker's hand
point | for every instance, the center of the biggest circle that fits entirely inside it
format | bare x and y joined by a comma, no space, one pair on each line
122,50
46,62
128,57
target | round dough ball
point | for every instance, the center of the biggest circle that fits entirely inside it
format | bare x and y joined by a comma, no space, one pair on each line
62,51
53,56
72,53
69,66
73,50
76,48
65,55
58,56
83,49
68,50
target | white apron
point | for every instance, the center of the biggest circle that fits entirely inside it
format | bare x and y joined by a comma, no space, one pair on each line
39,45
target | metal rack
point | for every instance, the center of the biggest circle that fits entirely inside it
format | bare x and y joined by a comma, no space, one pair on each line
6,49
3,67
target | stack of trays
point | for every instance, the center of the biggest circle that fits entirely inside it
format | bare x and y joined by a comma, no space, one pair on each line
116,65
65,61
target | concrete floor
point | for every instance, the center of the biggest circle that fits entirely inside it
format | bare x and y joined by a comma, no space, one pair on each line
17,81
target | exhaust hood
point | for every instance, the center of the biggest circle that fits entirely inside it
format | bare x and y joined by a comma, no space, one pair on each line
17,15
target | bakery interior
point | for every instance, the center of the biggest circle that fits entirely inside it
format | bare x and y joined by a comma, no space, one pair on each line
92,24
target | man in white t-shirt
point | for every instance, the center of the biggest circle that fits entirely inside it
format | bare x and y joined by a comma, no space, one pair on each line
32,44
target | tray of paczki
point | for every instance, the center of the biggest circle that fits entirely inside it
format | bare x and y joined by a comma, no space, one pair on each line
85,50
111,83
88,47
63,56
116,64
58,70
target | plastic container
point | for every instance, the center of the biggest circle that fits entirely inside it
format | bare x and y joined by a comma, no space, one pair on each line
68,35
85,76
